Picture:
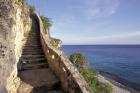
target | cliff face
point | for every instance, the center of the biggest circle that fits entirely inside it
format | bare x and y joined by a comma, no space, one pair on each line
15,24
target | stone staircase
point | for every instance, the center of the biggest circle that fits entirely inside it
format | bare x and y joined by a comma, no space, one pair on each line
33,69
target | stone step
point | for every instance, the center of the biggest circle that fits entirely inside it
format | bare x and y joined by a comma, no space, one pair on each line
34,33
26,65
33,56
38,41
32,67
34,60
31,50
33,42
33,37
39,77
35,51
55,91
32,53
32,47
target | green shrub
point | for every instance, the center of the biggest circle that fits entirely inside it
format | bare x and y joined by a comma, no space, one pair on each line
46,22
105,88
78,59
55,42
91,78
32,8
90,75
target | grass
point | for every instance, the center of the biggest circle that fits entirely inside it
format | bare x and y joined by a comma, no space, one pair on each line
90,75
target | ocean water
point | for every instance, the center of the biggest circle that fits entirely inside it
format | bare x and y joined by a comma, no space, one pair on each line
122,61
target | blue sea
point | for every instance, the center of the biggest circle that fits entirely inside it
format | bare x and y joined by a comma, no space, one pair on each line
121,61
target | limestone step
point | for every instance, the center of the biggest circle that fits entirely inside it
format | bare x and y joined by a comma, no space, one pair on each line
28,50
56,91
34,60
39,77
35,51
33,33
26,65
32,53
32,56
32,67
45,90
30,47
34,37
32,42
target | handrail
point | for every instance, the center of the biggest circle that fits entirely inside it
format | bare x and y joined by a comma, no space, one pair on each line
71,80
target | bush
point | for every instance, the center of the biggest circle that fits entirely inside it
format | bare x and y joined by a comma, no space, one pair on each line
46,22
55,42
78,59
91,78
32,9
105,88
90,75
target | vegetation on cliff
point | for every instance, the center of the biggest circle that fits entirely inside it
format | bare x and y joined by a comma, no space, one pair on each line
55,42
32,9
46,22
90,75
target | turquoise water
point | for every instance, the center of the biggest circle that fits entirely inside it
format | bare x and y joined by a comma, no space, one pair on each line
122,61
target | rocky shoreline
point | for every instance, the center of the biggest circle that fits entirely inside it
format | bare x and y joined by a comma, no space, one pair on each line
117,84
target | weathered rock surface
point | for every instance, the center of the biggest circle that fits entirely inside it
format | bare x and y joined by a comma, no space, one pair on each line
15,23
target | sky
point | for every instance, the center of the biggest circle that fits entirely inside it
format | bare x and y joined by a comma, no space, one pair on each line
92,21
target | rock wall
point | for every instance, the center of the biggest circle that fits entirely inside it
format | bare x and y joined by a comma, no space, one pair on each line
71,80
15,24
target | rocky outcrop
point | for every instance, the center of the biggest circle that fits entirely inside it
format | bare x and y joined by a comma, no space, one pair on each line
15,24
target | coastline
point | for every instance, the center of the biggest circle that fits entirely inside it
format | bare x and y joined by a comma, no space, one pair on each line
117,87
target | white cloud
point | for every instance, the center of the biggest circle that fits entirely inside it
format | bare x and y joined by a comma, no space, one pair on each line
100,8
94,8
130,37
119,36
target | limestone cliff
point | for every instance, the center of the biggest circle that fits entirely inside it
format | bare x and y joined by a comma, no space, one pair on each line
15,24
